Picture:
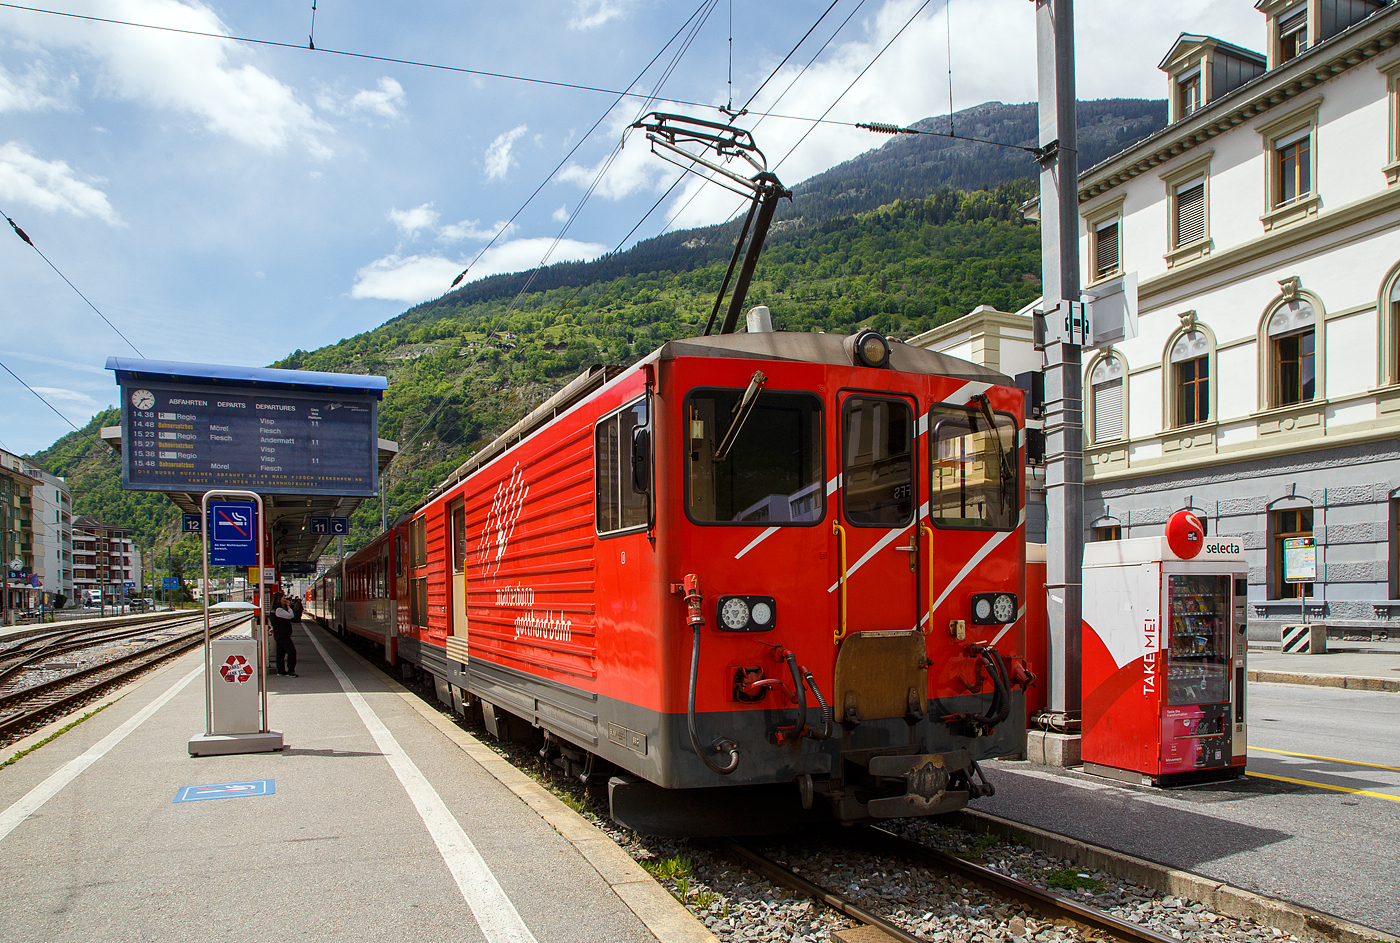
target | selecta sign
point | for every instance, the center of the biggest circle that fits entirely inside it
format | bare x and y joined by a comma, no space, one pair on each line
1186,535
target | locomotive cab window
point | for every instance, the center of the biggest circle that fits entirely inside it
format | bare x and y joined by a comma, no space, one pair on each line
973,480
878,477
622,470
756,464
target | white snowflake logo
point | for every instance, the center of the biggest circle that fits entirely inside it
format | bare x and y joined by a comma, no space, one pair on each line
500,520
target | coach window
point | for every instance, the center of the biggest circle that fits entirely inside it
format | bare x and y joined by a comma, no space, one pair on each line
760,465
418,586
878,477
619,505
974,477
459,537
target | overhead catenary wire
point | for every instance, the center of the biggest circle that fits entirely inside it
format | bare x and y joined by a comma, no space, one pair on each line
423,64
40,396
601,118
30,242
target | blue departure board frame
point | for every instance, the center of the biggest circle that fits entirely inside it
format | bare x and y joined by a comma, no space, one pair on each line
263,430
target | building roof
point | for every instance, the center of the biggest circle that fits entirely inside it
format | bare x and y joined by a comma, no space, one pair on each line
1193,39
130,369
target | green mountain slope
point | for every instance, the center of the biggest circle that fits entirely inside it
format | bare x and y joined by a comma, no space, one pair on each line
906,236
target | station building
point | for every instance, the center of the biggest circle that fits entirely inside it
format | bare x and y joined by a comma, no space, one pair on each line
1263,388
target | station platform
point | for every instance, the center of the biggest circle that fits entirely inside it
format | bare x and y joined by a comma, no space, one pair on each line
380,820
1360,666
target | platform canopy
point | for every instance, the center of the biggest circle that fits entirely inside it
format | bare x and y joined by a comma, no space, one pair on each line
304,440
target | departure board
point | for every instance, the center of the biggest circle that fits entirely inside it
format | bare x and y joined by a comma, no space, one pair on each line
197,438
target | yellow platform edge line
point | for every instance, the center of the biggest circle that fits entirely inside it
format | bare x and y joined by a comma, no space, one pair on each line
1307,782
1329,759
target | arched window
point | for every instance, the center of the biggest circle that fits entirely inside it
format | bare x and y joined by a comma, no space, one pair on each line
1292,349
1388,317
1106,386
1189,371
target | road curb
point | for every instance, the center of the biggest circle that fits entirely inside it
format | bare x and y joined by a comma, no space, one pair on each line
665,918
1350,683
1217,895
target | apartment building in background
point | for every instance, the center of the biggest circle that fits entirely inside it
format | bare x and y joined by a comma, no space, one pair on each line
105,561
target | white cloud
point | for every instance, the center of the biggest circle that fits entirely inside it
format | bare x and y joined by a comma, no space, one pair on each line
198,77
50,185
411,222
66,397
35,90
416,278
386,101
632,169
910,81
498,159
589,14
467,229
560,215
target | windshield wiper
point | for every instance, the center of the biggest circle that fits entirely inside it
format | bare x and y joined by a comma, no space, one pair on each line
1007,473
741,412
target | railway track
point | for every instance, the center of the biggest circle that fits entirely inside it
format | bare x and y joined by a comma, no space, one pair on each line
874,841
33,687
39,635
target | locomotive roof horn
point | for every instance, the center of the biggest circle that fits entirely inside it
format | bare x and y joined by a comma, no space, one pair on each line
668,132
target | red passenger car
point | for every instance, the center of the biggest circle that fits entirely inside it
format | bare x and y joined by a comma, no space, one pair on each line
791,563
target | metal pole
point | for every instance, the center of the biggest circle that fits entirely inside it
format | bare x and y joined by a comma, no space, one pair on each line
340,551
383,503
204,561
1059,234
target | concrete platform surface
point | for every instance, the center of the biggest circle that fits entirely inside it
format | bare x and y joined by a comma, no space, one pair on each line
1369,666
375,823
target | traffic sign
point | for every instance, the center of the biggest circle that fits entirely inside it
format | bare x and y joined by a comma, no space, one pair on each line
169,582
336,526
190,524
255,787
233,533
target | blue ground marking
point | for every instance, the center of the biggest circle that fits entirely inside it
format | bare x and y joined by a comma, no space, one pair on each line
255,787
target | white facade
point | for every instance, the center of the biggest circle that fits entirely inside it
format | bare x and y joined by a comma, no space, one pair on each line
1263,389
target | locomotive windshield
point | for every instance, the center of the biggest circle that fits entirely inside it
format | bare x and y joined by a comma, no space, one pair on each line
971,485
772,473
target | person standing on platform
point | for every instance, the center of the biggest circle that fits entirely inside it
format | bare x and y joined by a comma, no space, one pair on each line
296,608
282,635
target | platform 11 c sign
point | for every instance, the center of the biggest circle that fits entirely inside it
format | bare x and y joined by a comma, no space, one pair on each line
202,438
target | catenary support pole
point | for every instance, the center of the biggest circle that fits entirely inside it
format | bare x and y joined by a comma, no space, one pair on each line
1064,335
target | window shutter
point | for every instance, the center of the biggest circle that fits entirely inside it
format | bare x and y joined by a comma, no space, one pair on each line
1108,410
1190,214
1106,250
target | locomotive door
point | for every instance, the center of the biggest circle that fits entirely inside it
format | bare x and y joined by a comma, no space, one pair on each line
458,585
877,535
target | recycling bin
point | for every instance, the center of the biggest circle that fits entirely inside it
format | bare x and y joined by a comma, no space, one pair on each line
235,699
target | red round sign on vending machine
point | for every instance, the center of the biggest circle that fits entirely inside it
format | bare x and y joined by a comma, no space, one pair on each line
1186,535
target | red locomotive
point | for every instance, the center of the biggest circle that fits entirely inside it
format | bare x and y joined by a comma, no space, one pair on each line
755,579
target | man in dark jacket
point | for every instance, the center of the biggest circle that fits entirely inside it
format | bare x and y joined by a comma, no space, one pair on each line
281,619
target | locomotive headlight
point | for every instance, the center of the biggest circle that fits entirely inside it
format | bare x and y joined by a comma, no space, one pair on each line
1004,608
994,608
746,613
734,613
871,349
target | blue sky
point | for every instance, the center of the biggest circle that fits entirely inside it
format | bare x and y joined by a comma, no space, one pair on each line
229,202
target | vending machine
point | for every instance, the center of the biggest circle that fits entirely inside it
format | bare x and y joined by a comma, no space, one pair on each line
1164,657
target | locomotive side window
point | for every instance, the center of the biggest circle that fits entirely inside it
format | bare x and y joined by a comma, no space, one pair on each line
459,537
973,481
771,471
878,477
619,506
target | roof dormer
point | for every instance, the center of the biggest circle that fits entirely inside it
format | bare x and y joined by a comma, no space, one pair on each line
1201,69
1295,26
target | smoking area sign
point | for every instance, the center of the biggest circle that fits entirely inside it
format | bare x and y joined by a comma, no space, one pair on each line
233,533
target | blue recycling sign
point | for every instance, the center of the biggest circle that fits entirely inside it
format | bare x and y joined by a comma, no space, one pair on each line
233,533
